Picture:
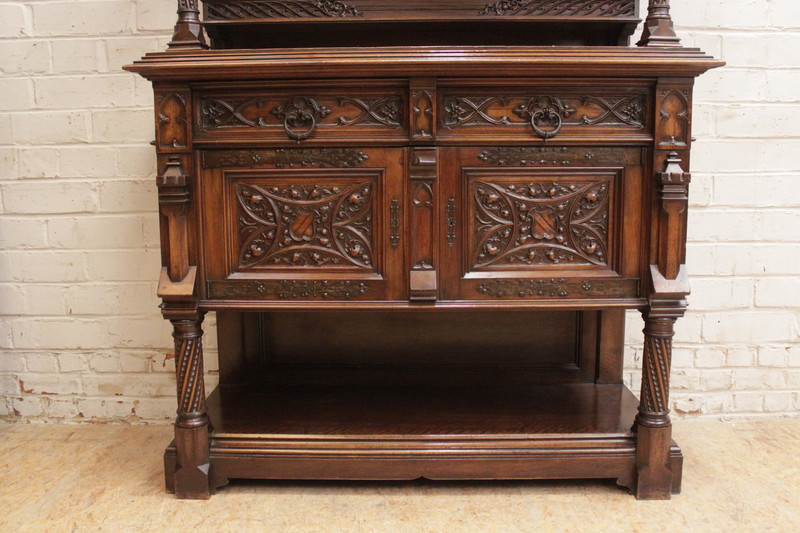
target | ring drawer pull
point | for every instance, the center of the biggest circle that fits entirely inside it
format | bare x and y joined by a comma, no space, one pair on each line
300,116
545,115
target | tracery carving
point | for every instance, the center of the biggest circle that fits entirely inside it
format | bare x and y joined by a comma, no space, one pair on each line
559,288
540,156
172,122
299,116
674,125
287,9
422,107
545,114
285,158
304,226
288,290
540,223
565,8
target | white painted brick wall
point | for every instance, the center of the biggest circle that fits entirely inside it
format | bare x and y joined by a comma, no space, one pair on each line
80,334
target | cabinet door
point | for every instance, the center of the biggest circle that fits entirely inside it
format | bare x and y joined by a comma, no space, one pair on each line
541,222
319,224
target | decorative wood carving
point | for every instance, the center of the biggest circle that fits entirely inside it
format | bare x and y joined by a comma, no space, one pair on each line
173,125
423,281
285,158
563,8
422,108
544,156
288,290
188,34
559,288
673,191
189,372
255,9
452,221
300,116
654,404
540,223
545,114
174,199
394,222
301,226
658,30
674,125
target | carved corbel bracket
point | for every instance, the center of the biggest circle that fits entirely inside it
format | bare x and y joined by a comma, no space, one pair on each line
658,30
174,199
188,34
673,193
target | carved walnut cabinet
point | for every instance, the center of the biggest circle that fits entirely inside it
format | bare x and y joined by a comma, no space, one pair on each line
420,225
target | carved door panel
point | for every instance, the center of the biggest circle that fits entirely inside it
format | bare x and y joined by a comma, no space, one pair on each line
303,224
541,222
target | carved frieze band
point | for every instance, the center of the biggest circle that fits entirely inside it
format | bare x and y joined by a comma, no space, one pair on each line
545,114
302,226
288,290
561,8
300,116
257,9
285,158
540,223
560,288
542,156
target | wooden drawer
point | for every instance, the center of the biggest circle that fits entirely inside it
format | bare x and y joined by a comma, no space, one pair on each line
304,114
523,113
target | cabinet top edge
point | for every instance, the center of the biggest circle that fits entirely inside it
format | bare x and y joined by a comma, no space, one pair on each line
381,62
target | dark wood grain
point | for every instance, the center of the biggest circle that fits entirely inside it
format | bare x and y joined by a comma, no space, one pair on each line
421,224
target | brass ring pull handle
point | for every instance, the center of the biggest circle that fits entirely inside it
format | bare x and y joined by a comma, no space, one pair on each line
545,114
548,119
300,116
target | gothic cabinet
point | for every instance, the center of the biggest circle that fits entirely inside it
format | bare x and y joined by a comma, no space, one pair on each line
420,225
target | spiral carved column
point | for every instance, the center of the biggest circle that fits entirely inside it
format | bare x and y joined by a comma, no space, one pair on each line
191,479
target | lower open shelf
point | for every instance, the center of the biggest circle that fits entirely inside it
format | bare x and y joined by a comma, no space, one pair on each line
401,433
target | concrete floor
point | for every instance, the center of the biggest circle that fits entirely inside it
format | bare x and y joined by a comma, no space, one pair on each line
739,476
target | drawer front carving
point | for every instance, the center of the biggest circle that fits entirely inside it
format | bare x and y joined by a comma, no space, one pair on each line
288,226
301,115
541,113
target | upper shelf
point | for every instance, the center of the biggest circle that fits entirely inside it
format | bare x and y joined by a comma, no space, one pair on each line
314,23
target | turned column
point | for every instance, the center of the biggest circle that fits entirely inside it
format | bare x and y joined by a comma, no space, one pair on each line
658,30
188,34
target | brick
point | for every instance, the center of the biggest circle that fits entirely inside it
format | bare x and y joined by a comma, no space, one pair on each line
154,15
44,300
61,407
755,121
104,363
98,232
82,92
709,357
13,21
49,197
701,190
759,379
22,233
28,57
685,379
9,385
717,403
778,401
48,266
9,168
721,293
134,362
123,126
120,409
748,402
72,362
746,49
30,406
50,127
126,386
780,226
124,51
794,356
770,356
687,405
17,93
750,327
38,162
82,18
12,362
751,259
6,135
682,357
128,195
779,154
151,332
87,162
11,300
784,13
37,362
156,408
724,226
767,191
732,85
59,334
714,380
90,408
50,384
136,162
777,292
124,265
81,55
112,299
